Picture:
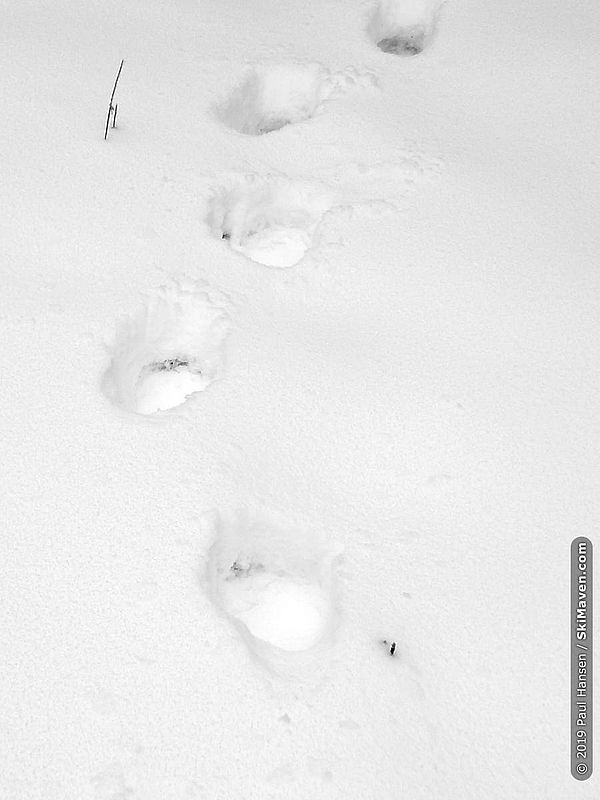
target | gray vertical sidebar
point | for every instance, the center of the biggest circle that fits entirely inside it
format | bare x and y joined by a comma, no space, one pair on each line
582,659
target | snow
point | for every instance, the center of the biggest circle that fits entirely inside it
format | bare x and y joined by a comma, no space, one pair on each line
232,467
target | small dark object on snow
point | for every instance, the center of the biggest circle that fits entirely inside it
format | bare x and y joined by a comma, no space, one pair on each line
243,568
392,646
169,365
225,235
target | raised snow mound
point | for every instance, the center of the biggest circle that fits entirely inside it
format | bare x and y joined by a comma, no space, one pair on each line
170,350
270,220
403,27
274,580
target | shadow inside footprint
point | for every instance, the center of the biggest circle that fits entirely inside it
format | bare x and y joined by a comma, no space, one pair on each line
407,43
270,125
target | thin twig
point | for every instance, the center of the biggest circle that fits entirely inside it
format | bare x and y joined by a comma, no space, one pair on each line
107,122
112,97
112,109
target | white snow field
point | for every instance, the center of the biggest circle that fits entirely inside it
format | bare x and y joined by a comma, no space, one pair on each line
232,466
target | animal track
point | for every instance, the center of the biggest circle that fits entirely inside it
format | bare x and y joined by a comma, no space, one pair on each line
274,581
169,351
403,27
276,95
270,220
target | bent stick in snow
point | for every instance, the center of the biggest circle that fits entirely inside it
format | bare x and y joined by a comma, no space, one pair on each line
111,108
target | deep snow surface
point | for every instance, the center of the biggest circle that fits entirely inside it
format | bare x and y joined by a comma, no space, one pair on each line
364,285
